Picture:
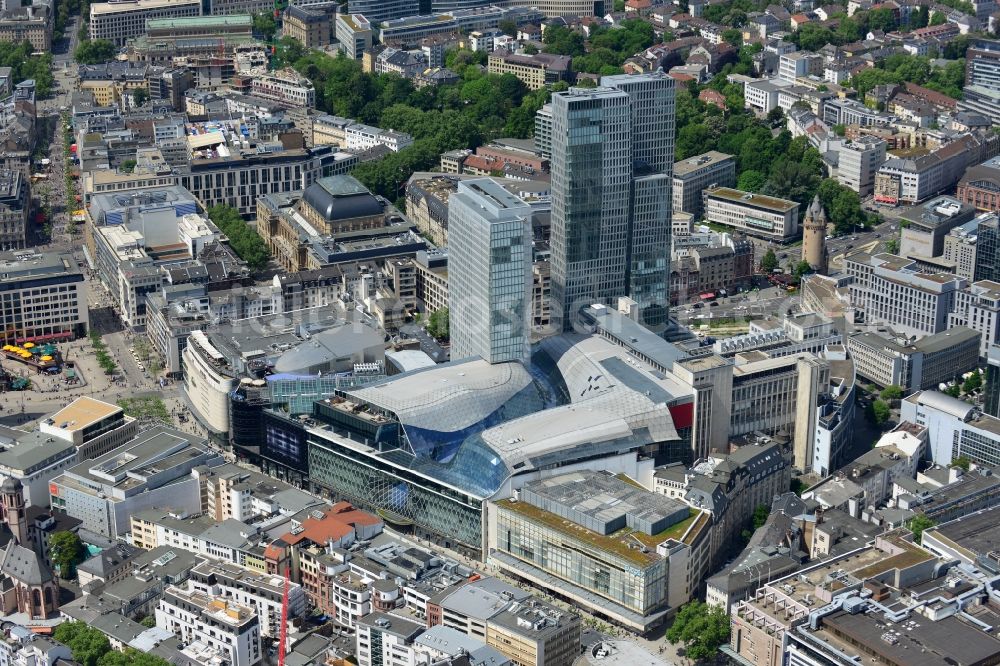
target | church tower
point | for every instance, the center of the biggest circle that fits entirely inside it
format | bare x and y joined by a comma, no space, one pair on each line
814,237
12,496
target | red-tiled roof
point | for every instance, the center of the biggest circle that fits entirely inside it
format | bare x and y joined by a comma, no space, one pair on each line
337,522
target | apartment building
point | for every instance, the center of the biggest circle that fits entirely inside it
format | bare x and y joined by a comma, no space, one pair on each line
354,35
211,627
284,86
330,130
27,24
980,186
386,640
119,22
311,27
695,174
755,214
261,592
41,297
891,290
534,70
913,179
364,137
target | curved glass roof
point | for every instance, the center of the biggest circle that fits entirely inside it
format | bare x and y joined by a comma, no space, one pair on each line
473,425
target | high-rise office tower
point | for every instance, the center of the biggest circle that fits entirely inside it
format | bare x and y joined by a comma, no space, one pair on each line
489,272
612,164
981,92
987,258
991,392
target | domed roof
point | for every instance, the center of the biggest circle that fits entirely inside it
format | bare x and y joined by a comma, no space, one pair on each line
11,485
341,198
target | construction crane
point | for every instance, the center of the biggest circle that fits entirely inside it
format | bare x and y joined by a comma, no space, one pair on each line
283,631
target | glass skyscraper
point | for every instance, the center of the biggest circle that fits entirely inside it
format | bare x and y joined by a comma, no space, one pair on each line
489,272
987,235
612,165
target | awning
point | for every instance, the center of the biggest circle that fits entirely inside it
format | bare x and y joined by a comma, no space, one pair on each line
47,336
708,296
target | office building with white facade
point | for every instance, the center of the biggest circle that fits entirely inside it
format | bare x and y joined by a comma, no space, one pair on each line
978,307
890,290
152,470
489,272
354,35
758,215
42,297
858,161
955,429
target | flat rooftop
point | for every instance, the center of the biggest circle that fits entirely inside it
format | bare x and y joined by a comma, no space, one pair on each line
977,533
621,543
931,643
82,413
750,199
182,22
25,264
698,162
99,8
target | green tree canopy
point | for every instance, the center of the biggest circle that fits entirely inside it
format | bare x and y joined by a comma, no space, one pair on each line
801,269
769,261
150,407
24,65
265,26
701,628
892,392
87,644
245,241
67,551
972,382
563,41
438,324
93,52
880,412
760,515
918,524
